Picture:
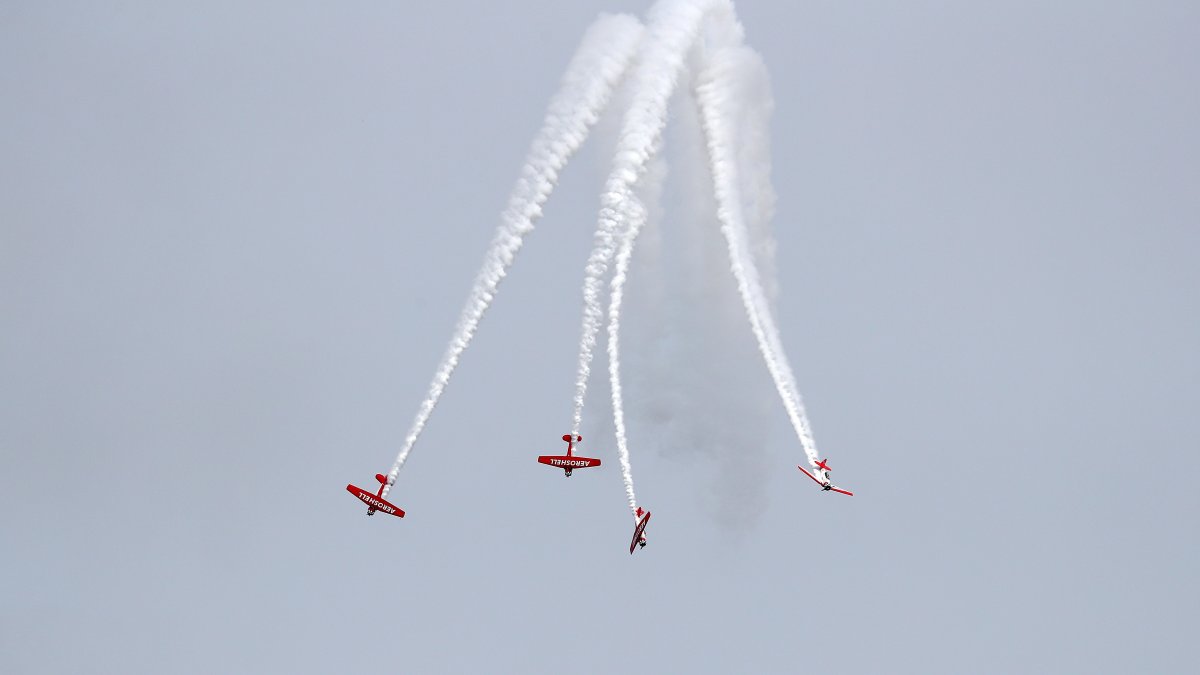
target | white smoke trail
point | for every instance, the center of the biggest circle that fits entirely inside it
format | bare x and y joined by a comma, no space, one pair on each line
637,215
672,27
601,60
685,343
714,93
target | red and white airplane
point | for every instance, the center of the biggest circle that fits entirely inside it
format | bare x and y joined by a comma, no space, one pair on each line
376,502
639,532
570,461
821,477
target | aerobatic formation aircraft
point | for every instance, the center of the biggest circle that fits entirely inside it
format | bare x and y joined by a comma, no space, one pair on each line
570,461
639,532
821,477
376,502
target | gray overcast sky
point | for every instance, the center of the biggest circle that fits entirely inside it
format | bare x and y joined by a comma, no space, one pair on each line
234,241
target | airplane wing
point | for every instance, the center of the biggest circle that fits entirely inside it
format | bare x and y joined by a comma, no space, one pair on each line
568,461
806,473
832,488
637,532
380,505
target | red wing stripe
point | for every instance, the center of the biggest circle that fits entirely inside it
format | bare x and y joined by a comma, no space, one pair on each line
845,492
814,478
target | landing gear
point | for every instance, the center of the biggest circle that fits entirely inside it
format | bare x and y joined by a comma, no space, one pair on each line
567,473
